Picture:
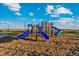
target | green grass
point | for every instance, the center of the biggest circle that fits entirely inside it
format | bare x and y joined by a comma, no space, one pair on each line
63,32
11,32
70,32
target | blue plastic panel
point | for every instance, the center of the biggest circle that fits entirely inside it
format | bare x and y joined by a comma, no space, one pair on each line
25,34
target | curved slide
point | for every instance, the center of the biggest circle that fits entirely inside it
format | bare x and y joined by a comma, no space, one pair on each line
43,34
58,31
25,34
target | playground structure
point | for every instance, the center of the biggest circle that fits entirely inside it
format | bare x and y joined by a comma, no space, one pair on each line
44,29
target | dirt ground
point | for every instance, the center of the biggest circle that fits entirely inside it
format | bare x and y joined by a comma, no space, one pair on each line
65,45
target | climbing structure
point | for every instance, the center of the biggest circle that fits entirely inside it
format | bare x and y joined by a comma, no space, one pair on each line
44,29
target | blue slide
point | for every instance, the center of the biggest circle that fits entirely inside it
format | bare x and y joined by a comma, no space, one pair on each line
58,31
26,33
43,34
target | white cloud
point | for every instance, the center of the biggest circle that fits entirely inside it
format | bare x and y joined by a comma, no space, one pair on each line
15,7
49,9
65,20
62,10
64,23
54,15
67,23
18,14
5,22
57,10
31,14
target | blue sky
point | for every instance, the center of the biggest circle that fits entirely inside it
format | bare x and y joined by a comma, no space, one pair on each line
65,15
